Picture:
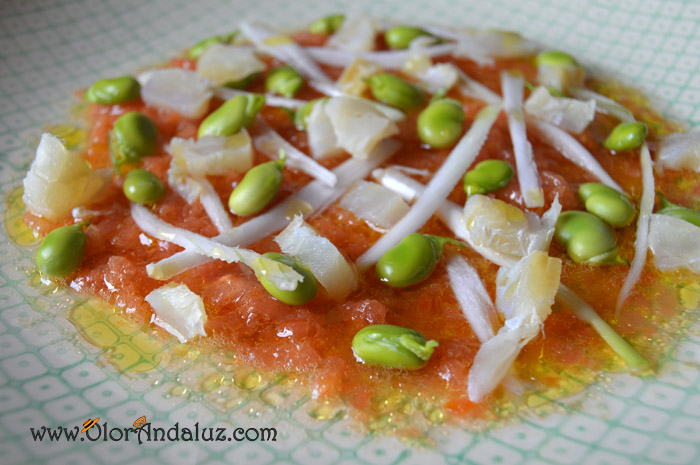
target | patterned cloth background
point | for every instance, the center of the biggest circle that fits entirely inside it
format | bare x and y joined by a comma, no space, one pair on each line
49,376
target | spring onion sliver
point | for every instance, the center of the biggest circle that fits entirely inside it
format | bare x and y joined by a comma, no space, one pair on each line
282,276
408,188
603,104
474,89
572,150
269,142
285,49
641,242
584,312
271,100
315,196
211,202
392,59
472,297
528,177
444,179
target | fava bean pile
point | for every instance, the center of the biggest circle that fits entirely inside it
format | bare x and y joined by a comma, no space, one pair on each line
355,212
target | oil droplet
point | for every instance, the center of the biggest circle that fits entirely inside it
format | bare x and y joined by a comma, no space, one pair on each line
17,231
246,378
211,382
274,397
234,402
390,403
178,391
535,400
125,347
297,207
325,411
71,136
435,416
689,295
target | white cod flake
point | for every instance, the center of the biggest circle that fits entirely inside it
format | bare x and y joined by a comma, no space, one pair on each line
179,90
358,125
675,243
524,296
178,310
222,64
59,180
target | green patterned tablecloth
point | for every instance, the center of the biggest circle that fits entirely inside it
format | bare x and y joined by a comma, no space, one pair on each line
49,376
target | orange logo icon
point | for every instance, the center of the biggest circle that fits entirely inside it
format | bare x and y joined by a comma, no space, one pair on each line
140,422
89,424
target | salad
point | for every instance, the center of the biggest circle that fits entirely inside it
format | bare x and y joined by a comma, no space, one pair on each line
457,216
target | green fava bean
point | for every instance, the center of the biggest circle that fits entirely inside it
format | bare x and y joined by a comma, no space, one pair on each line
607,204
61,251
112,91
257,188
440,124
142,186
400,37
626,136
393,347
242,84
683,213
285,81
487,176
412,260
199,48
327,24
587,238
392,90
305,290
236,113
133,137
555,58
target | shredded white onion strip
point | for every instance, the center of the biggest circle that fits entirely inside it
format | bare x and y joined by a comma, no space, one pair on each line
315,196
271,100
472,88
444,179
603,104
393,59
283,276
269,142
290,52
211,202
472,296
572,150
641,242
409,189
528,177
477,307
